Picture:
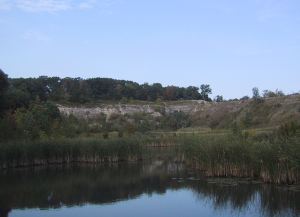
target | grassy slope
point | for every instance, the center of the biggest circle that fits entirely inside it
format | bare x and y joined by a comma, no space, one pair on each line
246,114
249,114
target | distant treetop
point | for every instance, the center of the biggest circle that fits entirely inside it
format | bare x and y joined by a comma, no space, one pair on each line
80,90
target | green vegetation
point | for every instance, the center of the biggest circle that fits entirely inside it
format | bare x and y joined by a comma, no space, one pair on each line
84,150
29,111
269,156
18,154
256,138
272,157
78,90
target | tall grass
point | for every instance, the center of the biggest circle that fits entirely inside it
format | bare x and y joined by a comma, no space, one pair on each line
89,150
271,160
16,154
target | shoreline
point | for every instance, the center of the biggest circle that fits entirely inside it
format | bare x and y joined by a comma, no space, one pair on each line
226,156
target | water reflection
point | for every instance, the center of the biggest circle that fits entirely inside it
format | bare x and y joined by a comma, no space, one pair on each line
56,188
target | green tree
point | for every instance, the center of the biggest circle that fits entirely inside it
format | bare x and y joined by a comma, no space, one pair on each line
219,98
8,128
245,98
170,93
176,120
39,119
255,93
4,84
192,92
269,93
27,124
205,91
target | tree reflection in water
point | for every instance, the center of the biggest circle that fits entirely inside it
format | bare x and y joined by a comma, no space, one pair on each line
55,187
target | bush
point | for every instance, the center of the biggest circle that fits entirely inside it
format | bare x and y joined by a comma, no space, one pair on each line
176,120
105,135
287,130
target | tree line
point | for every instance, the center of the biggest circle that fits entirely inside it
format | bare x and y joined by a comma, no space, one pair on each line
28,109
78,90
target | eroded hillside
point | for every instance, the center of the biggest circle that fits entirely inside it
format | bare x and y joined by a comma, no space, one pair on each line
248,113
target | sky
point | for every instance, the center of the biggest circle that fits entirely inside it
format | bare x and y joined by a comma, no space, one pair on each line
232,45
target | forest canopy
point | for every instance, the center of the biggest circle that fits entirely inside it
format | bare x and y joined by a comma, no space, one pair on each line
28,106
80,90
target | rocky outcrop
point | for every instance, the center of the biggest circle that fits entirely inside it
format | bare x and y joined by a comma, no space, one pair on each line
269,112
108,110
123,109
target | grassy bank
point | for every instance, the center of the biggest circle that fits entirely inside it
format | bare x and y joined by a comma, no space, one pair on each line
272,157
85,150
18,154
269,158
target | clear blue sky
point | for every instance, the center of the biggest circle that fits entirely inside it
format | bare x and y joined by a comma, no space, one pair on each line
233,45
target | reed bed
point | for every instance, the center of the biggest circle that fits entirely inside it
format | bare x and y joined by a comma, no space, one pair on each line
21,154
270,160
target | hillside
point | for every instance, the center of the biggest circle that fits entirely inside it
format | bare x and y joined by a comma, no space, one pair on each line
247,113
48,107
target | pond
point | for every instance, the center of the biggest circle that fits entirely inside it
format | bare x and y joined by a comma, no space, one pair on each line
153,189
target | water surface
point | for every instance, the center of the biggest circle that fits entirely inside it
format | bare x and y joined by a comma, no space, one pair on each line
144,190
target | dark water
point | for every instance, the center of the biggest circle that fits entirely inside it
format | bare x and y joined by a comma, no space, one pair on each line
157,189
